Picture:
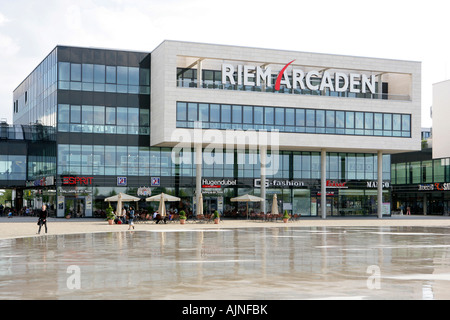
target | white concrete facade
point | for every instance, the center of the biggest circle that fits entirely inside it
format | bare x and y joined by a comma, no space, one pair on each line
441,116
165,94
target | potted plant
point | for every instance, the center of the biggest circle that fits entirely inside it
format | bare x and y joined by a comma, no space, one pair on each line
182,217
67,214
110,215
285,216
216,217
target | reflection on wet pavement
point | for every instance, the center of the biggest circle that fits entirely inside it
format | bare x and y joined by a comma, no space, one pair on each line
262,263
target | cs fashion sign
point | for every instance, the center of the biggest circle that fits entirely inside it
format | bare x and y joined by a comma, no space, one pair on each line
248,75
434,187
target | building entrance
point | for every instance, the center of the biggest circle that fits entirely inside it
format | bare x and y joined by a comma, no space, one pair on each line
75,206
210,205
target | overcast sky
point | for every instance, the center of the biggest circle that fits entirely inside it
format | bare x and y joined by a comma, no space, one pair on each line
395,29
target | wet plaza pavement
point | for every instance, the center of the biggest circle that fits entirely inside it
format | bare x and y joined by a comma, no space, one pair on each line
238,264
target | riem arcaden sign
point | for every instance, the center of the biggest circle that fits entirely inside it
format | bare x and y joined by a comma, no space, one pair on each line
248,75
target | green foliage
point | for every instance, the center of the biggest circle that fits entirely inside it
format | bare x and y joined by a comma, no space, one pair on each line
109,213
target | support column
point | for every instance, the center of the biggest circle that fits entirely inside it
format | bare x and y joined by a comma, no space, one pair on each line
323,183
380,185
198,173
263,159
199,74
425,204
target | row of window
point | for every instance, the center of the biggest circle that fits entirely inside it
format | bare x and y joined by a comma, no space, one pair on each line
225,116
145,161
101,78
427,171
101,119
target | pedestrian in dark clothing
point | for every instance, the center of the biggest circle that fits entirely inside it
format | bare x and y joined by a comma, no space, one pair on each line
43,214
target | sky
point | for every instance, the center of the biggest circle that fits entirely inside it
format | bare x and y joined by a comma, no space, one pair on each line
395,29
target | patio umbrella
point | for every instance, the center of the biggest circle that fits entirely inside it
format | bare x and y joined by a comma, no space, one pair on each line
162,198
247,198
119,198
162,207
275,204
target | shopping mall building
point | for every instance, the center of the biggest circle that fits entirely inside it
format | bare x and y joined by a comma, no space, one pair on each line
317,130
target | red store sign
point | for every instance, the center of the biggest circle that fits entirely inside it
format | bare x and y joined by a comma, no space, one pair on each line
77,180
334,184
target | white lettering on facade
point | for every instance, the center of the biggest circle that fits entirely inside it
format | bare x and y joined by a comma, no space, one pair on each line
248,75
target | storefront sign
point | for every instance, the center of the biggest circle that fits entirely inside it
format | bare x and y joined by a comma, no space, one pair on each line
46,181
223,182
434,187
122,181
155,181
144,191
275,183
339,185
248,75
77,180
374,184
212,191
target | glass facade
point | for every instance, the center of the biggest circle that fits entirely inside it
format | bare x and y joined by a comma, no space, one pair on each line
421,172
293,120
421,183
35,100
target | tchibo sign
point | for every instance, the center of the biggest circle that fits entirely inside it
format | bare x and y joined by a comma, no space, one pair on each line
248,75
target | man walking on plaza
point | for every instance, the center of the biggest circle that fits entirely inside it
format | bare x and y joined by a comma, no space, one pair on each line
43,214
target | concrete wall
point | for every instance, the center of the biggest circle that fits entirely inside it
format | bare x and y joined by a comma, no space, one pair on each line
441,117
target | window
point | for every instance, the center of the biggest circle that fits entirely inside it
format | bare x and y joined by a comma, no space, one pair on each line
133,76
63,113
237,114
99,73
110,74
203,114
290,117
300,117
75,114
248,115
214,113
99,115
310,118
122,75
64,71
279,116
110,115
88,73
75,74
181,111
226,113
192,112
269,116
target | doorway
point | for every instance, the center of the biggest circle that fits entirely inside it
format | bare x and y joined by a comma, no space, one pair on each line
209,205
75,207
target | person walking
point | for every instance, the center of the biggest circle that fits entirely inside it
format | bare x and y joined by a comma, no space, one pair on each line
43,214
131,218
408,211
